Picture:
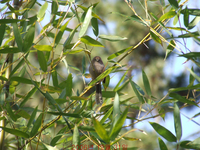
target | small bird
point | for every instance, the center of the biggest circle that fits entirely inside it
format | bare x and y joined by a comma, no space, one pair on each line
96,68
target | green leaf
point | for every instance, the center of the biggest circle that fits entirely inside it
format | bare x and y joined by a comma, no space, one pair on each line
70,37
136,91
177,122
155,38
195,12
18,37
10,50
116,111
95,27
182,99
101,131
90,41
20,64
167,15
163,132
30,93
191,78
120,81
162,144
32,117
191,55
5,21
28,39
69,85
108,113
118,126
191,144
58,136
42,11
170,48
119,53
186,17
146,83
47,48
42,61
174,4
10,112
86,22
76,136
15,132
60,33
36,125
54,77
54,7
112,38
2,32
193,23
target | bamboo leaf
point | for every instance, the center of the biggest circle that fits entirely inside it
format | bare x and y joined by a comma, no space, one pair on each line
15,132
177,122
2,32
76,137
32,117
118,126
42,61
95,27
42,11
118,53
86,22
136,92
36,125
146,83
162,144
69,85
28,39
112,38
90,41
174,4
182,99
163,132
47,48
101,131
18,37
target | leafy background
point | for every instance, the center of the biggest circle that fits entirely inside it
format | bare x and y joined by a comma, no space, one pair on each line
46,95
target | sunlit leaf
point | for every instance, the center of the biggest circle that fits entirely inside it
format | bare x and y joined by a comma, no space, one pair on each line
90,41
86,22
100,130
112,38
43,47
42,11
